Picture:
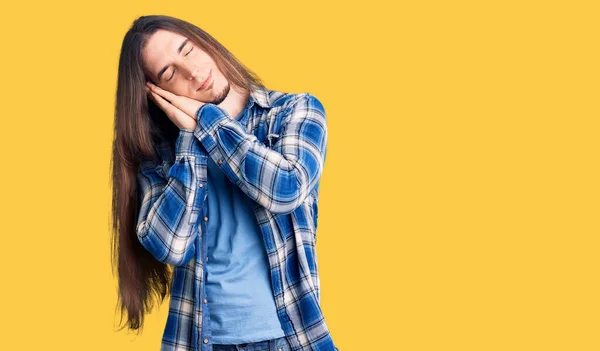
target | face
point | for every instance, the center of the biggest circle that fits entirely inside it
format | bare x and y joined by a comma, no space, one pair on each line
177,65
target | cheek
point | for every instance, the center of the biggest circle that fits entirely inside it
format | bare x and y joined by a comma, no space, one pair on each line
182,88
176,89
219,78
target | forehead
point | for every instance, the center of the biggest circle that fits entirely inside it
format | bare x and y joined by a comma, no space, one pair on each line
160,48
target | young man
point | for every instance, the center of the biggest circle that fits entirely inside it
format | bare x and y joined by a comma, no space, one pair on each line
231,201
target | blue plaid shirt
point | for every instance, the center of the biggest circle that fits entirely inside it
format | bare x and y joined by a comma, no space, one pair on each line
274,152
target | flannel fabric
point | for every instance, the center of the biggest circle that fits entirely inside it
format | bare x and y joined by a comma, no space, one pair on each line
274,151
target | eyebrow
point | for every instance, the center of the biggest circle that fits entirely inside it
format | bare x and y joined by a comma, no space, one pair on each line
160,73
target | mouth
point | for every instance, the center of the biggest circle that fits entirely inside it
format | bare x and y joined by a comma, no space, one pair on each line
206,81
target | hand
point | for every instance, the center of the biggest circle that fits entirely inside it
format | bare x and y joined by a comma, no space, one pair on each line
181,110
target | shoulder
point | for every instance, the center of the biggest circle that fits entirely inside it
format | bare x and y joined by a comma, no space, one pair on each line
299,116
289,101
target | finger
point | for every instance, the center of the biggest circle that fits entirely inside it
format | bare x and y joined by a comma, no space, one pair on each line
151,95
162,103
175,115
188,105
164,93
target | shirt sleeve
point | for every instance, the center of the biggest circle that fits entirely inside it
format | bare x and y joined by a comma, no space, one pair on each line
278,178
166,224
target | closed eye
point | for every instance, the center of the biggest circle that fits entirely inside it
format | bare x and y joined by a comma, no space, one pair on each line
174,70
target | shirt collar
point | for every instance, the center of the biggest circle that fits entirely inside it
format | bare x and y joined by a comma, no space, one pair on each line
260,95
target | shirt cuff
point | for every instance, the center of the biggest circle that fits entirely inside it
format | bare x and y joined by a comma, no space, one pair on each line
209,117
186,144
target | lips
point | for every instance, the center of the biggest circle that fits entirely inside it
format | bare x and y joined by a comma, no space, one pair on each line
206,81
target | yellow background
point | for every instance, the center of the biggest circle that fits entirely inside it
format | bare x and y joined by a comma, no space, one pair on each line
459,204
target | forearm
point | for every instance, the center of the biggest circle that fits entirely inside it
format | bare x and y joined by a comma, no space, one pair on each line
278,178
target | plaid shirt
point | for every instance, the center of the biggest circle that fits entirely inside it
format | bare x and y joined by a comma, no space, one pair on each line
275,154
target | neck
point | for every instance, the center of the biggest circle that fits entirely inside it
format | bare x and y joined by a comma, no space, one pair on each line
235,101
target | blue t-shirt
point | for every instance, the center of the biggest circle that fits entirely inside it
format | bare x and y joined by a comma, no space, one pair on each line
238,285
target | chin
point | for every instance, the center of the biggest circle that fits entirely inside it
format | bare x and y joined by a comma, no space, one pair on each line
220,94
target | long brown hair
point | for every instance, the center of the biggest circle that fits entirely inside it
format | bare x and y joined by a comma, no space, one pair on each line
139,124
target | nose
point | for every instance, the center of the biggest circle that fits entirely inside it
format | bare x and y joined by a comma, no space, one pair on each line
192,71
194,74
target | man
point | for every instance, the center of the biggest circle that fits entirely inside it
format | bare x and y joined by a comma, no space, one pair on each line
231,202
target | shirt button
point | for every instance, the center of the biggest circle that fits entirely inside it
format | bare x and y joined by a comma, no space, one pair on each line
206,341
206,219
201,185
220,162
205,301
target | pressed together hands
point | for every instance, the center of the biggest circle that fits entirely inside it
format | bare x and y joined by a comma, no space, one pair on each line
181,110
